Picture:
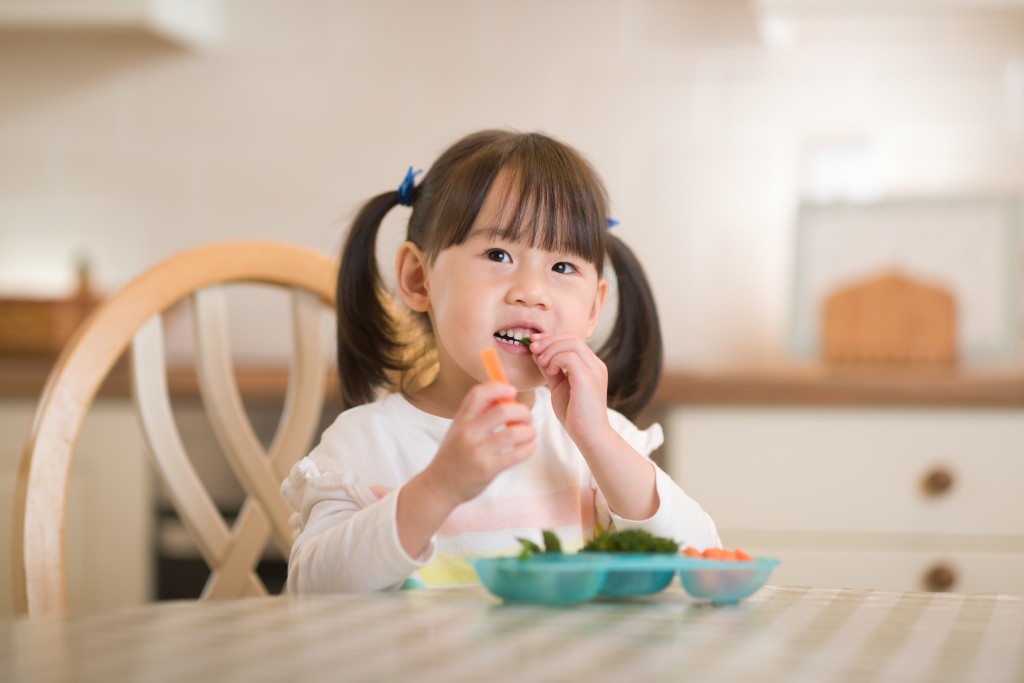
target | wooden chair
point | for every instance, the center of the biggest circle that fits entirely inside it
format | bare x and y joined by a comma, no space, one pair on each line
133,317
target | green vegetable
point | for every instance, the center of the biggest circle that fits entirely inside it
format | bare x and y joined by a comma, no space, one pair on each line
529,549
551,545
625,541
551,542
526,341
630,541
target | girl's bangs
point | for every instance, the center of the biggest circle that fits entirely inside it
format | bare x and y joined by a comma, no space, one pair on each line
550,197
554,211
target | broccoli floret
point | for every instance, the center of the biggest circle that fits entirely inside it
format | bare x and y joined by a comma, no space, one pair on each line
529,549
551,542
551,545
630,541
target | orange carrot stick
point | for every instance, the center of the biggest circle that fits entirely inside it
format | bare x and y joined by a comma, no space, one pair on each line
493,365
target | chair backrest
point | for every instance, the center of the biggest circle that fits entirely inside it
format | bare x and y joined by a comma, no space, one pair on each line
133,317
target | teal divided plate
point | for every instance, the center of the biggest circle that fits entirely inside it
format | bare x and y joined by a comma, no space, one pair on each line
567,579
724,582
542,579
631,575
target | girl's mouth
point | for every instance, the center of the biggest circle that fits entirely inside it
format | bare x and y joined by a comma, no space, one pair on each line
514,336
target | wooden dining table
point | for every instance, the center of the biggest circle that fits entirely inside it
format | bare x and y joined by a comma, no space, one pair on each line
781,633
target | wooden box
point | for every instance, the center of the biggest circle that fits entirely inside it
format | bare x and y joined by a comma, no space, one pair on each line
40,327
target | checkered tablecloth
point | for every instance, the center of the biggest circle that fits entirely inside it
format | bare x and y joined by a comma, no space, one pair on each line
464,634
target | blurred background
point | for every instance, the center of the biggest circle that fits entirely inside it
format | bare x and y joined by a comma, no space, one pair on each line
139,128
758,153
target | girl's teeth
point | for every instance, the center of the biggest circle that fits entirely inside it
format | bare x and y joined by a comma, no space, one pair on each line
512,336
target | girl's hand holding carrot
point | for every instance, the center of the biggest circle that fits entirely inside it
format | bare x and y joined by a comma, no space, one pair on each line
578,380
490,433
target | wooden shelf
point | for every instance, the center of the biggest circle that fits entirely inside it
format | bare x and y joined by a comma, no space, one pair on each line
25,378
818,386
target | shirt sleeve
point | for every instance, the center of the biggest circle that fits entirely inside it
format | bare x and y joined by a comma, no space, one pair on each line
347,540
678,516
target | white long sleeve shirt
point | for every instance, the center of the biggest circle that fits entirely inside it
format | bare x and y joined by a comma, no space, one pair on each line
345,492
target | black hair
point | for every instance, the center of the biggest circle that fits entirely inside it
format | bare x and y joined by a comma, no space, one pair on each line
553,199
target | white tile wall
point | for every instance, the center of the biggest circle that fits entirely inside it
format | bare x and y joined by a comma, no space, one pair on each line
131,147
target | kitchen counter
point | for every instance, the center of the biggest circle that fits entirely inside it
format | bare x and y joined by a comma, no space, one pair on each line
803,385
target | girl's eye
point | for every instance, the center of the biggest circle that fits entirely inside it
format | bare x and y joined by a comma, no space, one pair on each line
499,255
564,268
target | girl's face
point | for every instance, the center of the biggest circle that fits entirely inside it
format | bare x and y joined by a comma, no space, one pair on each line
488,291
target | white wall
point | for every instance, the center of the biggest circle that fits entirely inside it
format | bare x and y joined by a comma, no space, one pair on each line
128,147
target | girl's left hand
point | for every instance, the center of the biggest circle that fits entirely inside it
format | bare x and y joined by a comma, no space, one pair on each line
578,380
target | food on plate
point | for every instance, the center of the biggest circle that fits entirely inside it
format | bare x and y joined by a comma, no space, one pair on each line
644,581
621,564
624,541
552,544
630,541
723,554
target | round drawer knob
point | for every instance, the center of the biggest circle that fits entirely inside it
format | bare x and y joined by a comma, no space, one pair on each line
938,481
940,578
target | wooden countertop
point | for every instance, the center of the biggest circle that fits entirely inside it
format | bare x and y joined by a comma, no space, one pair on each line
817,385
805,385
26,377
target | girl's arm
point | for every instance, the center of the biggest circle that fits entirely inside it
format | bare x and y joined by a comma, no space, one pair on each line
626,478
623,476
348,545
578,380
349,541
636,490
678,516
489,433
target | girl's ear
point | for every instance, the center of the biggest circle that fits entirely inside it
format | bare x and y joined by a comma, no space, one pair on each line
599,301
411,269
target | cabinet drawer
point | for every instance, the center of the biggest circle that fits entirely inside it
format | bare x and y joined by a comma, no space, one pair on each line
970,572
852,470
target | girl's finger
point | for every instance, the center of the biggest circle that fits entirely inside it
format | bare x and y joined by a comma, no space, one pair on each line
513,456
503,415
566,344
538,341
496,417
483,396
568,364
510,438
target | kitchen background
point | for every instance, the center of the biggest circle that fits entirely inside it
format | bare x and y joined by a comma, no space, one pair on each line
130,130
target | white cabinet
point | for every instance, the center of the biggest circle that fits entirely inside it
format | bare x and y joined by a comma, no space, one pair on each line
897,498
108,533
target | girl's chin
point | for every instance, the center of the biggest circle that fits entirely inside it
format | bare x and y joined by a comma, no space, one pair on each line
529,382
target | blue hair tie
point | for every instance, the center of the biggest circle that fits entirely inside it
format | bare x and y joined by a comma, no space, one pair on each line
611,223
405,189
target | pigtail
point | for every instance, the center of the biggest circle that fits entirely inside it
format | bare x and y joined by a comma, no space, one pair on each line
633,352
369,342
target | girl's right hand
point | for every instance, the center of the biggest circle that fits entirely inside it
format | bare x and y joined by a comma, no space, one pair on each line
490,433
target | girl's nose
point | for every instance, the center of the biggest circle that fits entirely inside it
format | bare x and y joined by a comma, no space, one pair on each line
528,291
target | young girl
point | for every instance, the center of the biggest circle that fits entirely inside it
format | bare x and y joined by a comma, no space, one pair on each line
507,239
